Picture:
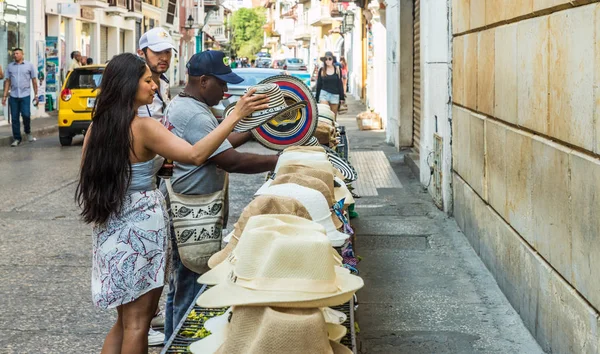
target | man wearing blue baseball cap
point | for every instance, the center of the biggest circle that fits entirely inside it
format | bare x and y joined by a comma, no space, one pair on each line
189,116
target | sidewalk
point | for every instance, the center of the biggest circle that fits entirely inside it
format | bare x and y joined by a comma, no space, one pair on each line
46,125
39,127
426,291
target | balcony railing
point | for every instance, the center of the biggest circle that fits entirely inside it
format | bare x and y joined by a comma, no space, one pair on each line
157,3
319,16
302,32
119,3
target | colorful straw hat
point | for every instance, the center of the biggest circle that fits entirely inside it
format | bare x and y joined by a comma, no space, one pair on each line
278,269
298,128
267,204
272,330
278,110
313,141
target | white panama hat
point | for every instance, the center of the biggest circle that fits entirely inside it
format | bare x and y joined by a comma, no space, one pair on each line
276,269
317,207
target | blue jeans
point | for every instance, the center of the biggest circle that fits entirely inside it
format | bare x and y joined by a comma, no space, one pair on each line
20,107
183,288
332,98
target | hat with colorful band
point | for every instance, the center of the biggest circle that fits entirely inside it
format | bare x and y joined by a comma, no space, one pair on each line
278,110
298,128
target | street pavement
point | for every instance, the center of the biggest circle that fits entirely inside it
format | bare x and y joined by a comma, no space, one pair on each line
426,291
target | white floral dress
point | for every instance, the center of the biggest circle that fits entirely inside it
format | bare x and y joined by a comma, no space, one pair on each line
129,249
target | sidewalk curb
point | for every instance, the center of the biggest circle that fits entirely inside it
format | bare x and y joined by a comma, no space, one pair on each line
39,132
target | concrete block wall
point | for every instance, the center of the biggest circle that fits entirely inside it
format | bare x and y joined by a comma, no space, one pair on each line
526,158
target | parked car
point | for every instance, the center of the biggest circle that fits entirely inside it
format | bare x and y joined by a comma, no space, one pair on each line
263,55
278,64
76,101
263,63
294,64
302,75
251,76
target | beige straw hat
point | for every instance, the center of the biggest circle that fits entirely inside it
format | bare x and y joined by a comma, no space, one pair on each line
332,317
327,116
276,269
267,204
305,157
309,168
313,183
324,133
304,148
316,205
273,330
285,224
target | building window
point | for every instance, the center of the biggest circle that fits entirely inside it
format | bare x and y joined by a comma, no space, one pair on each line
171,11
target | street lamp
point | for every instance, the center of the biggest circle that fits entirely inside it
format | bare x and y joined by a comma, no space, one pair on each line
189,23
348,21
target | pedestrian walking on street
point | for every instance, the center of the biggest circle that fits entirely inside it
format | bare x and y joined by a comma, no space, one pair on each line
21,76
75,60
329,83
89,61
118,195
344,67
189,116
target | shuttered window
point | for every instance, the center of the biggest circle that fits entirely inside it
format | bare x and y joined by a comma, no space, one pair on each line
103,44
417,77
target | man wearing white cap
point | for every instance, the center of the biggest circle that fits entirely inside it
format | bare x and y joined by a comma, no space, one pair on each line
156,47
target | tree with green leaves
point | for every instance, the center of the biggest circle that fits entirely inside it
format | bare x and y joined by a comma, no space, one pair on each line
247,31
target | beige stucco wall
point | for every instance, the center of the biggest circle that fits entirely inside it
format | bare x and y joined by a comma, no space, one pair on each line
526,145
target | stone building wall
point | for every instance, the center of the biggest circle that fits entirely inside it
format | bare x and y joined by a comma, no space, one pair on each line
526,143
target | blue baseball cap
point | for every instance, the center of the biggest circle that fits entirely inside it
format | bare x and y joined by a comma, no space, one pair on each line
213,63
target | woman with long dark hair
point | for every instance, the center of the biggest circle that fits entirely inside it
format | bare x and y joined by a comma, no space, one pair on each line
117,193
329,83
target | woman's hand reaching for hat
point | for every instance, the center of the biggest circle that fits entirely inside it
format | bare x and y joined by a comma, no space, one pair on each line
248,104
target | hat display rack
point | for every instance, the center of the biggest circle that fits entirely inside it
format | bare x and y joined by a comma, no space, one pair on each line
290,256
284,262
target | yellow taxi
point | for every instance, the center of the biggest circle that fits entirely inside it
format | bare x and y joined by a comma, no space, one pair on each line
76,101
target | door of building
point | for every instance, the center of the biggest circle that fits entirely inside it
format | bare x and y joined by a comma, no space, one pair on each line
103,44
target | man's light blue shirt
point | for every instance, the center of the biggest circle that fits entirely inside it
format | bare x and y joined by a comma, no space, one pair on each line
20,76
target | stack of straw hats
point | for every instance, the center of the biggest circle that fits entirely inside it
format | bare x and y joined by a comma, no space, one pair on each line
279,281
280,272
326,132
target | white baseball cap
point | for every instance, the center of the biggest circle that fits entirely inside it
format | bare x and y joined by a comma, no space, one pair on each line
157,39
